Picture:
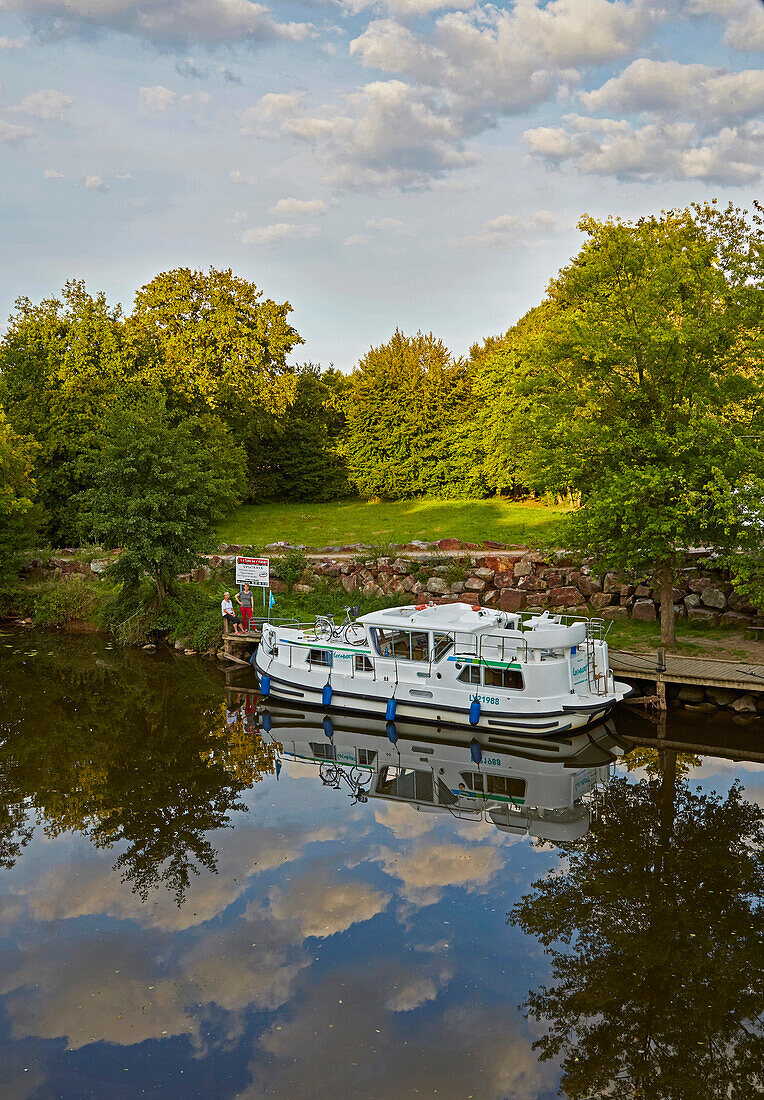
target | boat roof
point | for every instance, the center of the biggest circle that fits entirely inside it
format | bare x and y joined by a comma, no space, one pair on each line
446,616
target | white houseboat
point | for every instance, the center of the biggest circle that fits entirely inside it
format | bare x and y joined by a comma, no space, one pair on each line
532,792
503,676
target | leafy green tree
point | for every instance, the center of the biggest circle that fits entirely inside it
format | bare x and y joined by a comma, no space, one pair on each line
408,421
63,365
300,454
18,514
214,342
643,382
160,488
654,928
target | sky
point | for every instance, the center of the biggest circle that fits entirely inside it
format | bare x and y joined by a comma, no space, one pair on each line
419,164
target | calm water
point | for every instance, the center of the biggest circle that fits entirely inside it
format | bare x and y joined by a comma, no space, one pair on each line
182,913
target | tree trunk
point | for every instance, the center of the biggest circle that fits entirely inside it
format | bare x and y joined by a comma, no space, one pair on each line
161,591
668,618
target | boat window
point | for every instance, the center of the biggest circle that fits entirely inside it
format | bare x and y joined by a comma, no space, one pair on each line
441,644
363,664
470,674
406,783
404,645
472,781
320,657
367,757
323,751
504,677
507,785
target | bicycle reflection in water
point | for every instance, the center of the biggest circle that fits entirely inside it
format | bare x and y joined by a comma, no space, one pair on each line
333,775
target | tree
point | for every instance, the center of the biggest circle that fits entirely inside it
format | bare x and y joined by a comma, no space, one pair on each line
216,344
300,454
644,382
408,421
654,927
160,488
63,365
18,514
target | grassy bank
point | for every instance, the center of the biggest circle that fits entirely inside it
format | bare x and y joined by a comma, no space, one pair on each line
346,522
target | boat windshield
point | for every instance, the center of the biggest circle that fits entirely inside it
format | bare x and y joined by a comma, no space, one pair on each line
441,645
413,785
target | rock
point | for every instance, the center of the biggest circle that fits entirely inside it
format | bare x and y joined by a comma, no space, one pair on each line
532,584
697,584
408,584
611,583
713,597
701,615
180,643
417,544
499,565
100,565
700,708
401,566
437,586
691,693
418,589
474,584
457,587
644,611
735,620
626,601
642,591
615,612
190,652
303,588
693,600
599,600
489,597
68,566
449,544
484,574
277,586
150,647
523,569
626,590
349,582
511,600
536,599
721,696
372,589
223,547
553,578
564,597
489,545
744,704
589,586
504,580
740,603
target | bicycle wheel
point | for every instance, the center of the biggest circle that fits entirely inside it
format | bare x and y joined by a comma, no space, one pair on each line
324,628
354,634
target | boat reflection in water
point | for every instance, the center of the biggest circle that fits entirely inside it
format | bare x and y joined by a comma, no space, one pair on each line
545,790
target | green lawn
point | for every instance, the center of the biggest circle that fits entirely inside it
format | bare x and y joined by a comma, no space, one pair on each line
391,521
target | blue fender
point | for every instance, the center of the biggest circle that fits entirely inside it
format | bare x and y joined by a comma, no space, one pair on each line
267,721
474,712
326,695
392,733
265,685
328,727
392,706
475,751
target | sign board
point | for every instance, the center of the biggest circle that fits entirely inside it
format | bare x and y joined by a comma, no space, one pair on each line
253,571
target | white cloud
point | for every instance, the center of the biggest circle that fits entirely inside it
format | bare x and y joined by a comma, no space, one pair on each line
355,239
408,7
385,135
270,110
238,218
427,870
509,229
195,99
266,234
51,174
658,150
45,104
235,176
291,208
12,134
387,225
157,99
322,906
668,87
164,22
743,21
13,43
95,183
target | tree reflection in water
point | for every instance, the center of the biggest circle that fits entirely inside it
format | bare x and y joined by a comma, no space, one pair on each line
154,769
654,926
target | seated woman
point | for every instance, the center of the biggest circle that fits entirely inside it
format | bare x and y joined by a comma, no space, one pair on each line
229,615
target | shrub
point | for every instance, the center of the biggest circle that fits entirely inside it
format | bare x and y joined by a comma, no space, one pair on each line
77,599
290,567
